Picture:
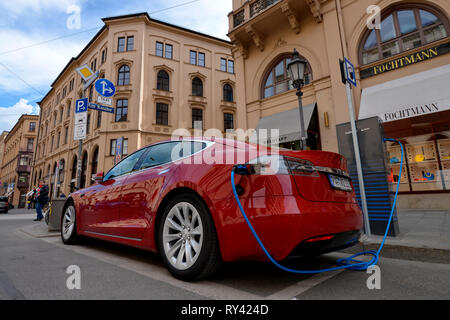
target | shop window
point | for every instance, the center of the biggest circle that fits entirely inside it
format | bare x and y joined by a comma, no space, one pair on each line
403,29
426,164
277,79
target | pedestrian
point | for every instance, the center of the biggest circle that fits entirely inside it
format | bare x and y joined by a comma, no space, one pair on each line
42,200
34,198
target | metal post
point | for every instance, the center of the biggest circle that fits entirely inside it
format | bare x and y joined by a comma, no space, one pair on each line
362,190
80,149
303,133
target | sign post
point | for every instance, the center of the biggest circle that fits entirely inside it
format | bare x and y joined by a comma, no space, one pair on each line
349,79
81,108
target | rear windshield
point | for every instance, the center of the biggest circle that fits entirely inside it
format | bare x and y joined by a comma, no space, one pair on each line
3,198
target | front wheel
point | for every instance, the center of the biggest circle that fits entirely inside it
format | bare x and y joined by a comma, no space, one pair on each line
68,225
188,240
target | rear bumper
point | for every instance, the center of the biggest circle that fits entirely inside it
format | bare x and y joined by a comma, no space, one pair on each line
315,246
283,223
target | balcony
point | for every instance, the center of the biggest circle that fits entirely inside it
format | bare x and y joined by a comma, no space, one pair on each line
23,169
251,9
254,21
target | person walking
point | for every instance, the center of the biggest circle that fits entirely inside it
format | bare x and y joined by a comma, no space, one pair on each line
42,199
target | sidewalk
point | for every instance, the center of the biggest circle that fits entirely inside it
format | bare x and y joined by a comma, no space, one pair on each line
420,229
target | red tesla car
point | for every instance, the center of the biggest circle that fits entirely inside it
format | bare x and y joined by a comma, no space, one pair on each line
176,198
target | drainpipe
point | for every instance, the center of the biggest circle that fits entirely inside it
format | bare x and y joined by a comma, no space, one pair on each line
341,28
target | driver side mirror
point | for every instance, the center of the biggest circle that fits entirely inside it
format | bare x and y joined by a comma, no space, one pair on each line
98,177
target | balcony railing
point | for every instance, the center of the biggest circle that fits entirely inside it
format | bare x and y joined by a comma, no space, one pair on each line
23,169
238,18
259,5
250,10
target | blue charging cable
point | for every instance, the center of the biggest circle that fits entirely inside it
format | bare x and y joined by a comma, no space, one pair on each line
344,263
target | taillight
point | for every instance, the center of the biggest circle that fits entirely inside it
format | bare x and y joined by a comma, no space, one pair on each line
277,164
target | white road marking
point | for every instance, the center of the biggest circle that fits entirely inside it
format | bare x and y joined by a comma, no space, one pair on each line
300,287
207,289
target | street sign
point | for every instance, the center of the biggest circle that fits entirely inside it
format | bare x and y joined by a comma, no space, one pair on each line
350,74
105,87
90,80
79,132
94,106
85,72
81,105
105,101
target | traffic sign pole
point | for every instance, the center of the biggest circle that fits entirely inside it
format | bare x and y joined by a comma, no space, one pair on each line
349,79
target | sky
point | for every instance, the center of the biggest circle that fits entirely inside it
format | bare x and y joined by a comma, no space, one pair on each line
39,37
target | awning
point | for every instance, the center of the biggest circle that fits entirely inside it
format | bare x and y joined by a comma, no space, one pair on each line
419,94
287,123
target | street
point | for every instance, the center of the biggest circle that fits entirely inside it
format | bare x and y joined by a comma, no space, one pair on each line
35,268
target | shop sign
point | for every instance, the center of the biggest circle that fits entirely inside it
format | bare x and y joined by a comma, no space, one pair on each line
409,112
406,60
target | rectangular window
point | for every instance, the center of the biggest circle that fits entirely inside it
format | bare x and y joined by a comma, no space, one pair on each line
66,135
99,118
58,139
71,85
88,123
30,144
93,67
125,147
159,49
201,59
121,44
104,55
130,43
197,118
169,51
32,126
162,113
112,149
228,123
68,111
121,110
230,66
193,57
223,64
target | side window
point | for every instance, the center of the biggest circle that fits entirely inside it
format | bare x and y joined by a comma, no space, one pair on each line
124,166
169,152
160,154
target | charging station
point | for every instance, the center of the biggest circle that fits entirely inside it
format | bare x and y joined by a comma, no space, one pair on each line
379,193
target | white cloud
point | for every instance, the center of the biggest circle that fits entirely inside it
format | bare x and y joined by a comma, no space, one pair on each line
16,7
38,66
10,115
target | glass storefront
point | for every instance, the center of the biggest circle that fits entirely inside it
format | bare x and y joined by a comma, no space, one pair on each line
426,142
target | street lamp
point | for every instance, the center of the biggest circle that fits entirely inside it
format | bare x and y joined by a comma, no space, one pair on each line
296,70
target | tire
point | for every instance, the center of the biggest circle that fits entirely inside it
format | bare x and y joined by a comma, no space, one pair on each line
190,249
68,225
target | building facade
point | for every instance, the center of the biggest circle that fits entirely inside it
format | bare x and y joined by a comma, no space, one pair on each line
3,186
400,50
18,150
166,77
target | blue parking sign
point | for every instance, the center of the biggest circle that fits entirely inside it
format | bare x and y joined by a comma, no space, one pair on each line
81,105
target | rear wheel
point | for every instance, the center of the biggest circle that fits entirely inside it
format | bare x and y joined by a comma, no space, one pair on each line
68,225
188,240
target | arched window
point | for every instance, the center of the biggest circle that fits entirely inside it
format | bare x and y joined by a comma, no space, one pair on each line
162,82
402,29
277,78
197,87
123,78
228,93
